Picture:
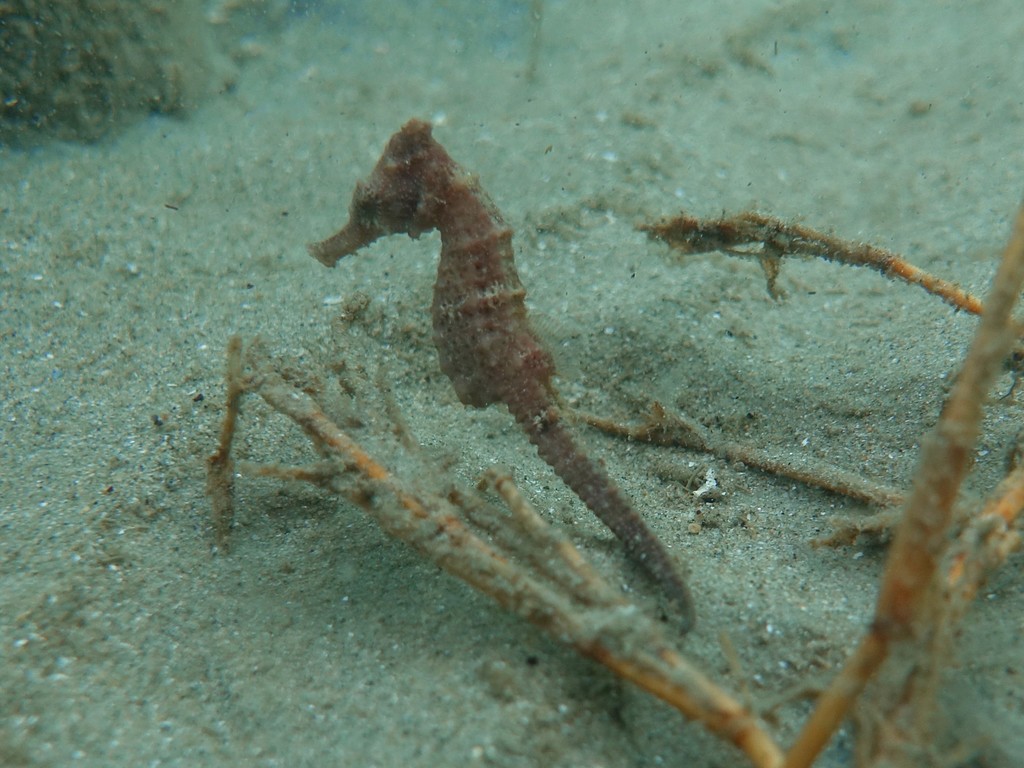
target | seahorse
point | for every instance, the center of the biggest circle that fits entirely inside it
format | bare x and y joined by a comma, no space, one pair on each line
483,337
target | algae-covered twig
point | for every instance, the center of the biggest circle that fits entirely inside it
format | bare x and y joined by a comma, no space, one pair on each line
220,469
770,240
660,427
543,578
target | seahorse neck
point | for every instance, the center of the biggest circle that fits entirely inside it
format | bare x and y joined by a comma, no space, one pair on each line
465,215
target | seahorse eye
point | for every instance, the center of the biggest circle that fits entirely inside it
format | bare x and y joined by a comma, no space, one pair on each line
367,209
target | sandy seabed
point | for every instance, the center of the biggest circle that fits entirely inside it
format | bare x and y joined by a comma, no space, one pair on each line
125,266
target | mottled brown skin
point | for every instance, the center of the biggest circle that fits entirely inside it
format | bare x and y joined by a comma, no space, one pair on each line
483,338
